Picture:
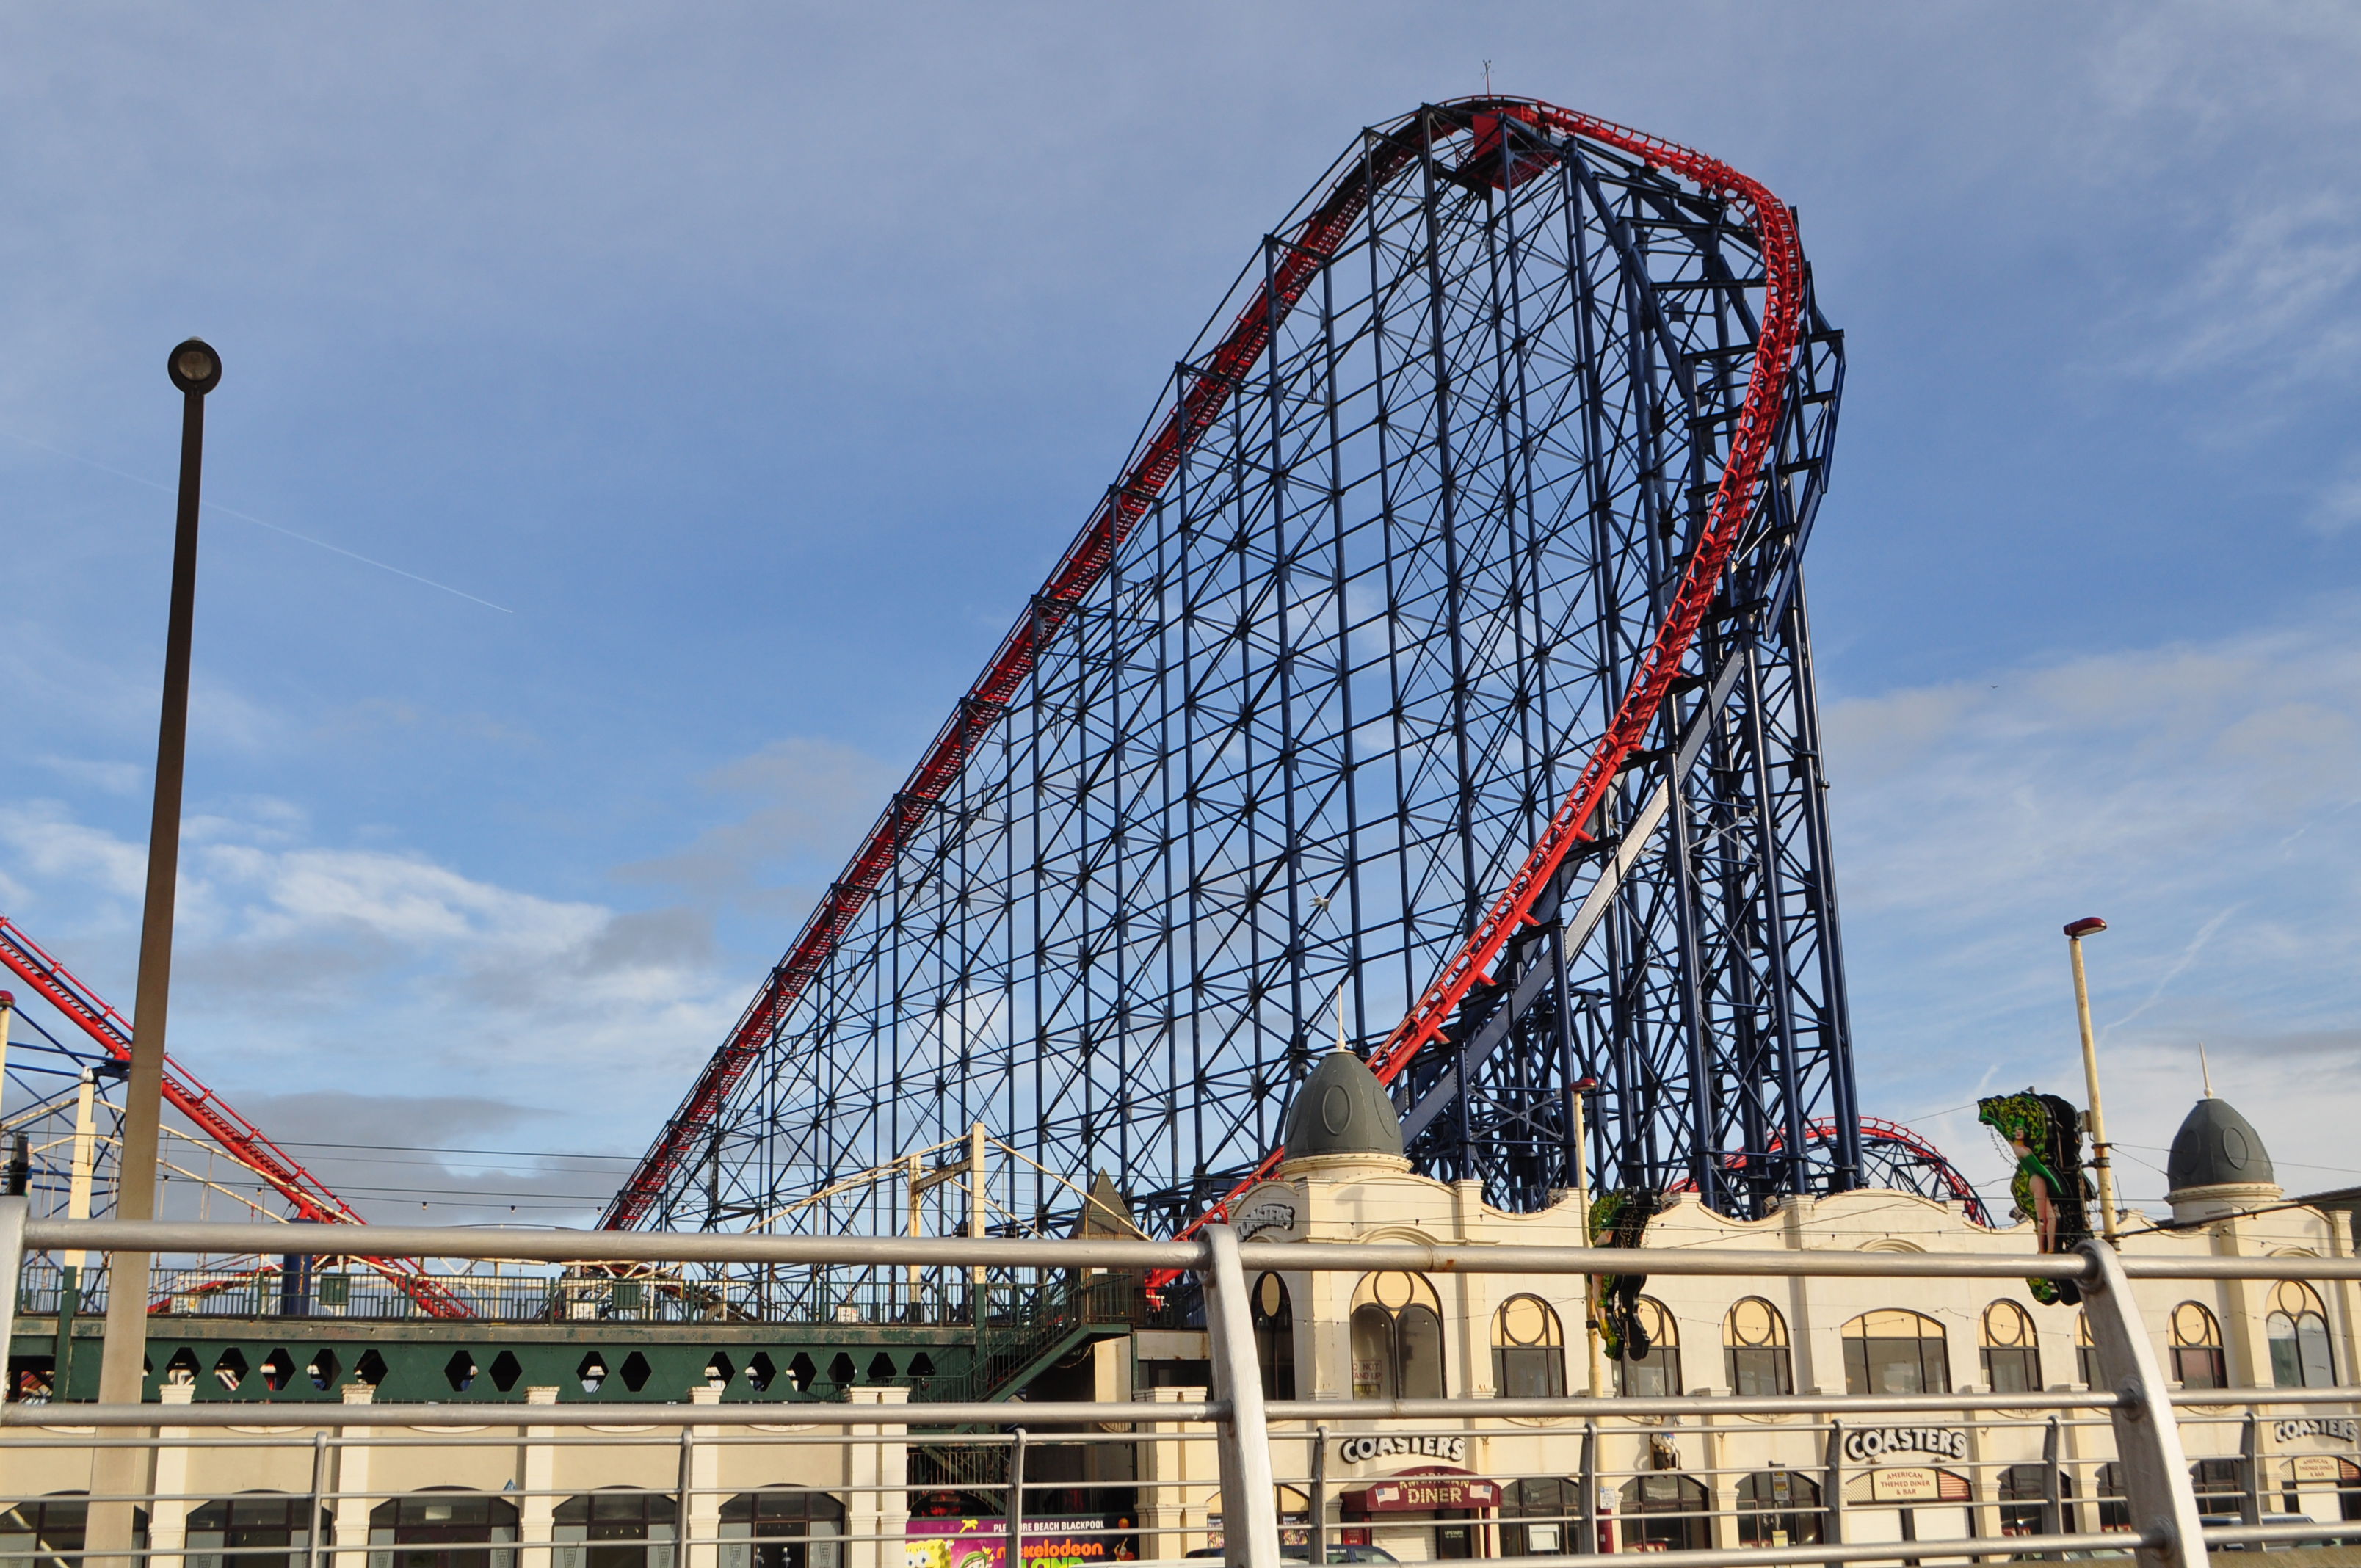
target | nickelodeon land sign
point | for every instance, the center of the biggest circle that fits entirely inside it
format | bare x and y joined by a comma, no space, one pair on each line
984,1544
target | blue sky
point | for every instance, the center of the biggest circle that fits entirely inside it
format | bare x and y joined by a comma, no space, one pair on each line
736,371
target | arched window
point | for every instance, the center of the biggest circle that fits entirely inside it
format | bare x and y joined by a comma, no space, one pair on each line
2086,1354
1274,1332
1528,1350
2022,1492
242,1531
616,1526
2298,1330
782,1527
1779,1508
1396,1338
2012,1359
1665,1512
1657,1374
1895,1352
50,1527
2197,1348
444,1528
1754,1351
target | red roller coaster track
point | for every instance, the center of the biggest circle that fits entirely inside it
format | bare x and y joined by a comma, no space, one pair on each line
1311,248
240,1138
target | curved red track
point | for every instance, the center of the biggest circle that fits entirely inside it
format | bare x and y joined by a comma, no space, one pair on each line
1311,246
241,1139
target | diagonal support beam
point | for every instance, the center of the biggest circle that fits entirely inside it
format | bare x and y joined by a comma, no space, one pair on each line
1495,1028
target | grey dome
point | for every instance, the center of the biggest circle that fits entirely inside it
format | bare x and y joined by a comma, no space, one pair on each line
1343,1109
2216,1147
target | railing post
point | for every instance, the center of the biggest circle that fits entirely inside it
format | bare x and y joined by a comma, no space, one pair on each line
1249,1498
1595,1539
1013,1514
1316,1537
2053,1508
2148,1439
2250,1472
1832,1485
312,1519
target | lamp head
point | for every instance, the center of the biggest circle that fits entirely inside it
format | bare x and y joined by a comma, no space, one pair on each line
2089,925
194,368
1586,1086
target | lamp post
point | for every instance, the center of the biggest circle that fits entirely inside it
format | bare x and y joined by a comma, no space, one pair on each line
2101,1162
195,369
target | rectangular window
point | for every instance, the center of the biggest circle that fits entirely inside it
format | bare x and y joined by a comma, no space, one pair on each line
1895,1367
2199,1367
1528,1371
2011,1369
1654,1375
1760,1369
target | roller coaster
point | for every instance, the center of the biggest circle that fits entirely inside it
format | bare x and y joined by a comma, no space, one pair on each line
1438,655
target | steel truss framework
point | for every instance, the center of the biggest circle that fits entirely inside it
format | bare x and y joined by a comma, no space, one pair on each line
1381,587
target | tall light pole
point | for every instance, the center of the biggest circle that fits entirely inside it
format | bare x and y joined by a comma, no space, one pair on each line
2101,1162
195,369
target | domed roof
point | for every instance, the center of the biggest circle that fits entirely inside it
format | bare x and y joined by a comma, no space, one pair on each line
1341,1109
2216,1147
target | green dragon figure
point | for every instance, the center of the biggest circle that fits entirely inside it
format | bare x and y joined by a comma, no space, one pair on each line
1620,1219
2045,1133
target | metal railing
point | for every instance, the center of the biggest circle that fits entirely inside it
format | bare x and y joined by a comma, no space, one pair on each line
838,1297
2156,1507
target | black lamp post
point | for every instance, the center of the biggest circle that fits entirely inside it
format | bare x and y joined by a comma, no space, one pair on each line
195,369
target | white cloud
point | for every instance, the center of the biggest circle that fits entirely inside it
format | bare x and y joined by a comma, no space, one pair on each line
47,845
2198,796
305,973
813,800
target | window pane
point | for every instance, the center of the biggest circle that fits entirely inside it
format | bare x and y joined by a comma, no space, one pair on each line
1934,1368
1895,1368
2011,1370
1373,1354
1758,1370
2312,1342
1531,1372
1421,1353
2197,1366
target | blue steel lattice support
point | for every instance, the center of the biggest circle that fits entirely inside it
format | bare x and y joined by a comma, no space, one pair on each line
1335,677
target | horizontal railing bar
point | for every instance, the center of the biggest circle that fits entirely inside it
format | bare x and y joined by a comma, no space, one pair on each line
2012,1546
2254,1534
1424,1258
1076,1412
2343,1394
601,1246
2150,1267
656,1247
309,1414
505,1436
1683,1405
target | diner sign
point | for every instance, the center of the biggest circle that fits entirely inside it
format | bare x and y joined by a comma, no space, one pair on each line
2318,1467
1905,1483
1418,1494
1867,1443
